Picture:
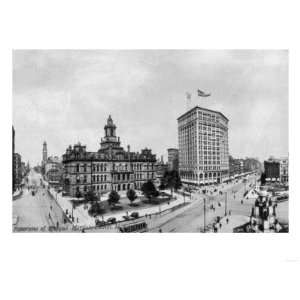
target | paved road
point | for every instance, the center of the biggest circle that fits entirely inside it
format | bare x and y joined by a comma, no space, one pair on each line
192,219
33,211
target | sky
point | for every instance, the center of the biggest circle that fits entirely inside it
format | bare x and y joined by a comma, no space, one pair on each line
65,96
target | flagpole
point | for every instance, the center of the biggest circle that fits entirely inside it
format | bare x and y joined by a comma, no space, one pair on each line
188,101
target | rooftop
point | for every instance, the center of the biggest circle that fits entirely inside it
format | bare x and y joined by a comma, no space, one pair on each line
202,108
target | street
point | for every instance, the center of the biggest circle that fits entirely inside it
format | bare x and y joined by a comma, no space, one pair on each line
192,219
38,211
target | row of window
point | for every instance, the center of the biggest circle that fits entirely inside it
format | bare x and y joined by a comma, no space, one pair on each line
116,167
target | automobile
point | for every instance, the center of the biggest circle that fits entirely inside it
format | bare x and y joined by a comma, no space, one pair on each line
111,220
100,223
134,215
282,197
117,207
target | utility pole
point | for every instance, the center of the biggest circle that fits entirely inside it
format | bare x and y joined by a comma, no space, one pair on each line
204,203
225,203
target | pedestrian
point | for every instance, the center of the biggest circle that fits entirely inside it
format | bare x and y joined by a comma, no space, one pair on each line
220,225
49,216
215,228
50,207
57,224
160,231
227,220
242,201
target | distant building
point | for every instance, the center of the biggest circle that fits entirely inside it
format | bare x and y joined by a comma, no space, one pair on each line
173,159
284,170
53,170
44,154
160,169
110,168
203,146
13,159
235,167
252,164
17,170
239,167
23,169
272,169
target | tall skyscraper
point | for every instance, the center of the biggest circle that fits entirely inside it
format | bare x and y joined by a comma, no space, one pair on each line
203,146
45,154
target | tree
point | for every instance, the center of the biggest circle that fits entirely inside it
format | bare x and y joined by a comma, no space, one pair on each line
149,189
131,195
96,209
162,186
113,198
91,196
171,180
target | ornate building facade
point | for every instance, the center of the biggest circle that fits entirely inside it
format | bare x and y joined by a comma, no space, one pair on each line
110,168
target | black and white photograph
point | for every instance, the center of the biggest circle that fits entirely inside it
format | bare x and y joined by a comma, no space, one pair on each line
125,141
150,150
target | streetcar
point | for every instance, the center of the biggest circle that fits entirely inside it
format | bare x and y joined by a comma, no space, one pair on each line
140,226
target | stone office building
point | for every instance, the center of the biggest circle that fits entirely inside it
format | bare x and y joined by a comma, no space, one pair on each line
110,168
203,147
173,159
